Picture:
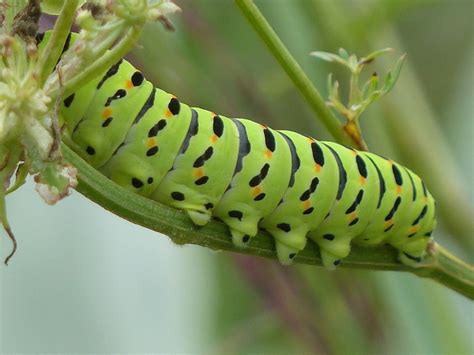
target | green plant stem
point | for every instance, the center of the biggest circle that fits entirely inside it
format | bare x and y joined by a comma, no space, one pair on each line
439,265
447,269
54,48
105,61
293,69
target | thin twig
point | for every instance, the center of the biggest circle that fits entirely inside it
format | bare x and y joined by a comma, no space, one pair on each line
105,61
53,49
294,71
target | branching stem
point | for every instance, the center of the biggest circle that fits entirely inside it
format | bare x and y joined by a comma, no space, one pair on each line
104,62
294,71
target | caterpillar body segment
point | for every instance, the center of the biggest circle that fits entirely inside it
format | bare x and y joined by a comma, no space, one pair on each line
308,201
108,109
260,180
144,139
75,103
203,168
246,174
353,207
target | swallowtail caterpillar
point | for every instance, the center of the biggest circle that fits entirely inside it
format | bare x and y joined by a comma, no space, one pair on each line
246,174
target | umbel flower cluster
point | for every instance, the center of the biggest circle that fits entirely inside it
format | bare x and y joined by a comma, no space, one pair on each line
32,83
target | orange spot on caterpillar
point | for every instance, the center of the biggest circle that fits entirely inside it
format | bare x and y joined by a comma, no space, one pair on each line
306,204
414,229
151,142
214,138
106,113
268,153
168,113
399,189
362,180
199,172
388,223
353,216
317,168
256,191
128,84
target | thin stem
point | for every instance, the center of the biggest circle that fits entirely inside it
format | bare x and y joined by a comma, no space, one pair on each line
440,265
54,48
293,69
447,269
354,92
104,62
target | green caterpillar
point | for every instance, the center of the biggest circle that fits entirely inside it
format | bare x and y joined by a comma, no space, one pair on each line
247,174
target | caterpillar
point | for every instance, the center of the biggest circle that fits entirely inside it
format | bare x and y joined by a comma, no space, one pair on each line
246,174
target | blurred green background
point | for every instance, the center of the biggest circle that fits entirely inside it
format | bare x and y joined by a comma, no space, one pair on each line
86,281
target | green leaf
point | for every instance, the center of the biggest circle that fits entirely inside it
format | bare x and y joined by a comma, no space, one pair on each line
329,84
370,86
353,63
329,57
333,88
369,58
392,76
343,53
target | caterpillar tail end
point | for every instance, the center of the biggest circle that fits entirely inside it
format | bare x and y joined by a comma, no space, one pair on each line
285,253
411,259
411,253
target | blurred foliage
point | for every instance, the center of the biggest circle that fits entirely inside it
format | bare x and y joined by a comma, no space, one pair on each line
214,60
75,290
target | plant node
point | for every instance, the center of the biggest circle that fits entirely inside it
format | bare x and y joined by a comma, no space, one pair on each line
359,98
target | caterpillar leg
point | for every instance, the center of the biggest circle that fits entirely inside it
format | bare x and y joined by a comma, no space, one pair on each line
413,253
242,220
203,168
131,172
259,183
307,201
289,233
239,239
199,218
353,208
332,248
180,196
330,261
285,253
